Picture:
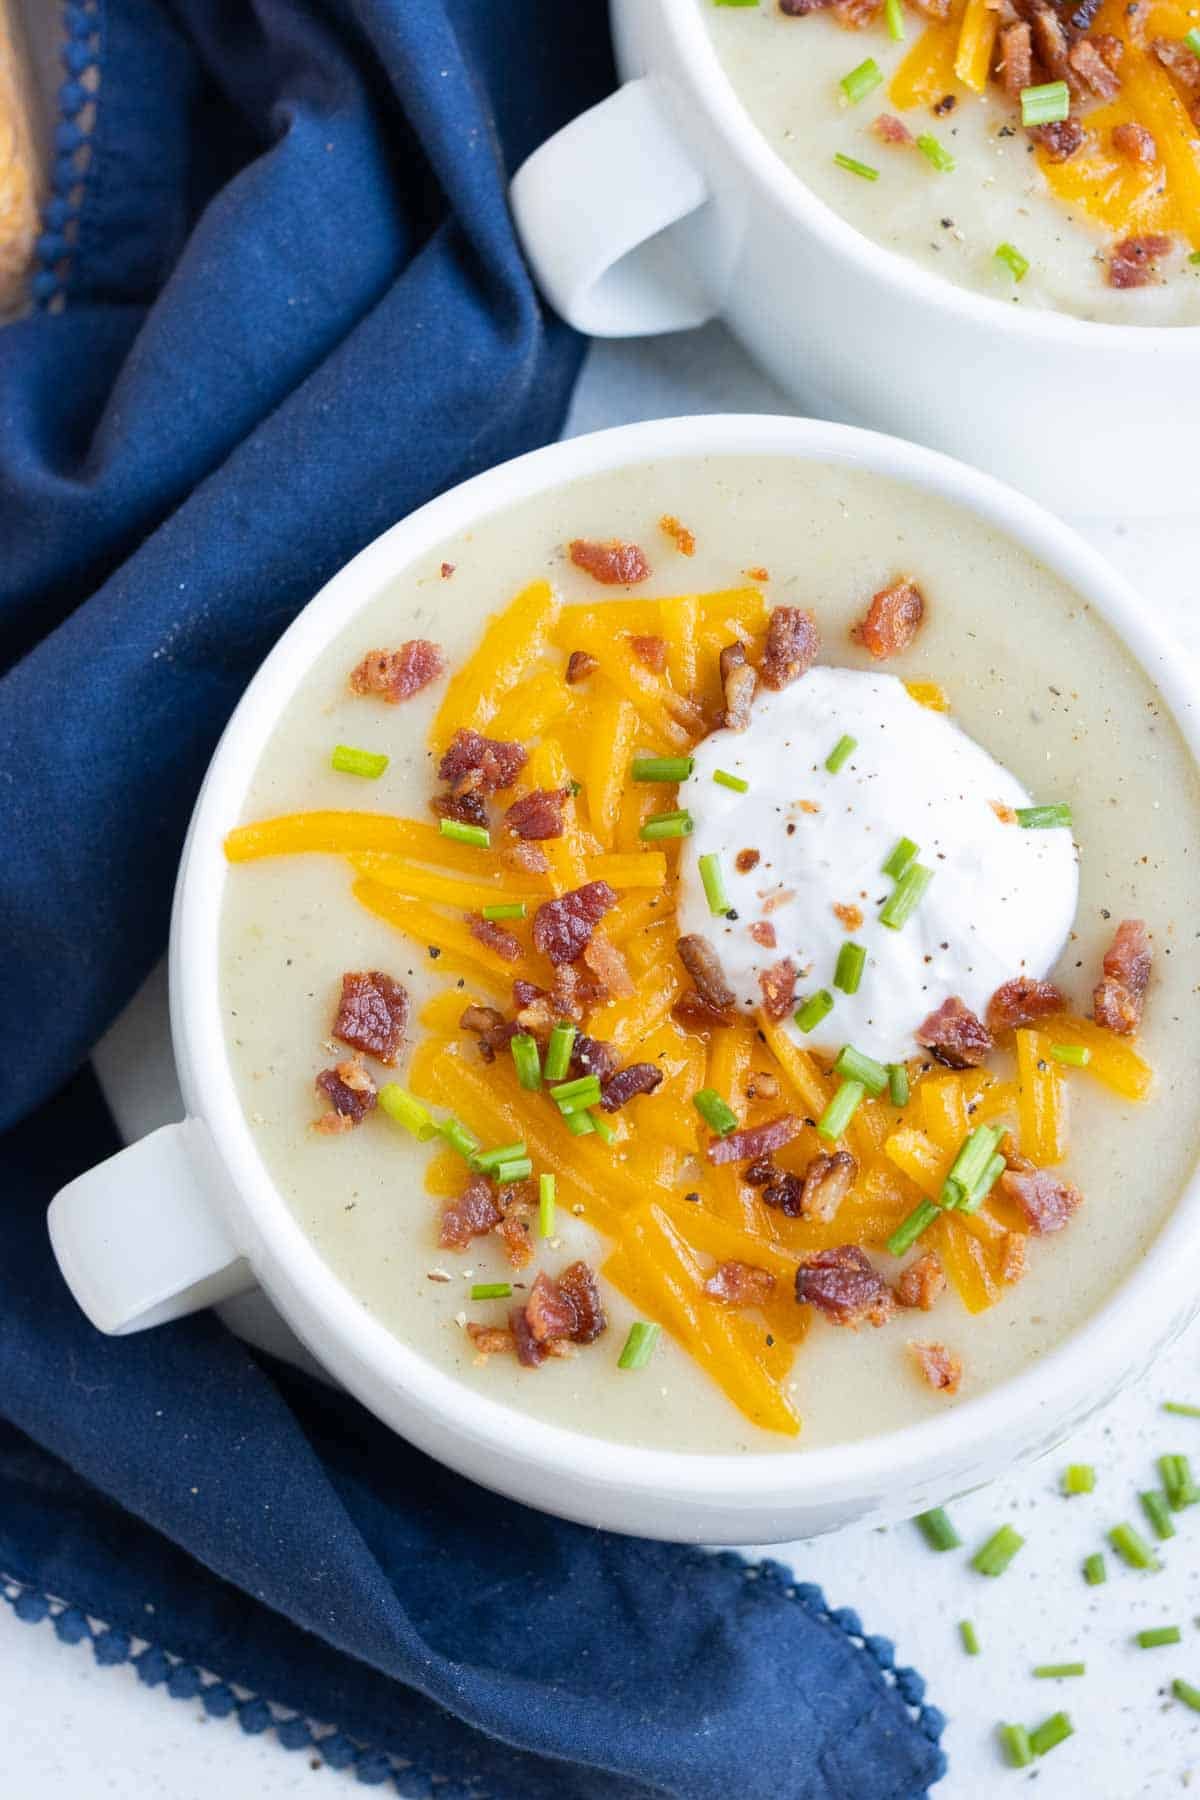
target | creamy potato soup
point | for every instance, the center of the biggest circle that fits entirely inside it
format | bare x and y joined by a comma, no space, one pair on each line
690,1036
920,142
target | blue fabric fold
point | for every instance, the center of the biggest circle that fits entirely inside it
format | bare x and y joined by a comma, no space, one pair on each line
281,305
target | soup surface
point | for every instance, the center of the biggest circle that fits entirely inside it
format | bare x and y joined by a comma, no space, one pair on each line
1026,670
1062,218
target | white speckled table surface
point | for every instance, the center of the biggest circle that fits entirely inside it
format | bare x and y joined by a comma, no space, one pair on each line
68,1726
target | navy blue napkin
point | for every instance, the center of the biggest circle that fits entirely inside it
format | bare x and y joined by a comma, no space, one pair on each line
279,305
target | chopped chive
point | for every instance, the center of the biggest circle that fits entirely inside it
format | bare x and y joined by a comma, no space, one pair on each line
458,1137
405,1109
723,778
1058,1671
974,1154
715,1112
1155,1507
847,974
1048,104
1132,1547
842,750
604,1131
901,857
714,885
1076,1056
856,1067
580,1123
1095,1570
1044,818
546,1205
936,153
841,1109
558,1051
347,761
508,909
993,1171
492,1290
910,1229
1158,1635
894,15
519,1169
861,81
584,1087
936,1529
1078,1478
1192,40
852,164
1181,1410
1183,1690
478,835
486,1160
1051,1732
1017,1749
666,825
969,1636
898,1084
574,1103
1194,257
735,2
905,897
994,1557
639,1345
662,768
1178,1483
525,1060
1010,258
817,1007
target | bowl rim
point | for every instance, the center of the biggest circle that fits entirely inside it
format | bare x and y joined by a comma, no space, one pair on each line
747,145
1091,1361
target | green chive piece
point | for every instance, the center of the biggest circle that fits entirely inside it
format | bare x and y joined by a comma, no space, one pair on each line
983,1187
1155,1507
1018,1750
1194,257
1010,258
478,835
936,1529
1048,104
1183,1690
936,153
714,885
666,825
526,1060
894,15
519,1169
969,1636
1192,40
906,896
585,1088
639,1345
558,1051
1157,1636
1132,1547
662,768
486,1160
1058,1671
1181,1410
1076,1056
347,761
817,1007
861,81
735,2
973,1156
898,1084
852,164
458,1137
910,1229
715,1112
546,1205
1044,818
901,857
841,1109
604,1131
723,778
1051,1732
405,1109
580,1123
1078,1478
994,1557
1095,1569
1178,1482
851,961
841,752
856,1067
508,909
492,1290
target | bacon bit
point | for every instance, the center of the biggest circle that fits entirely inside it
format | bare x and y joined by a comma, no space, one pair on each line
849,917
781,1188
490,1340
1012,1156
564,992
762,1085
1046,1201
939,1366
740,1284
695,1014
1021,1001
921,1283
745,860
1133,263
1016,58
892,619
468,808
530,1354
610,968
650,651
372,1014
495,936
537,1014
592,1056
772,902
1007,815
447,571
633,1079
778,984
755,1140
527,857
562,927
490,1027
685,540
1183,66
702,964
1134,142
763,932
398,674
581,664
537,815
513,1229
567,1308
955,1036
791,648
477,764
471,1214
1118,999
1087,62
758,573
612,562
1060,140
800,9
891,130
824,1185
1111,48
1012,1254
762,1172
856,15
351,1091
842,1284
1050,41
739,683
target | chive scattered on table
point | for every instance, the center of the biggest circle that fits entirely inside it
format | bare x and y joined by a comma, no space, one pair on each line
1010,258
558,1051
1017,1749
716,1112
1078,1478
1044,818
547,1185
1132,1547
855,1066
714,885
905,897
492,1290
817,1007
1047,104
1154,1505
1051,1732
666,825
861,81
724,779
841,752
368,763
526,1060
507,909
841,1109
847,974
994,1557
1059,1671
936,1529
639,1345
662,768
1095,1569
477,835
1155,1637
969,1636
852,165
898,1084
901,857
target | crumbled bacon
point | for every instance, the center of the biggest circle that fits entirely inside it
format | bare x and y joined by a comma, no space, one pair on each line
921,1283
592,1056
537,1012
740,1284
956,1037
824,1185
781,897
471,1214
612,562
447,571
791,647
530,1353
496,937
849,917
781,1189
842,1284
1183,66
372,1014
633,1079
1111,48
477,764
1012,1256
1118,999
757,573
567,1308
697,1015
1134,142
537,815
514,1227
1050,41
685,540
398,674
892,619
1016,58
1133,263
891,130
609,967
1087,62
490,1340
703,965
1046,1201
468,808
778,984
1021,1001
939,1367
1060,140
745,860
761,1173
562,927
738,684
528,857
351,1093
581,664
649,650
763,932
762,1085
490,1027
800,9
755,1140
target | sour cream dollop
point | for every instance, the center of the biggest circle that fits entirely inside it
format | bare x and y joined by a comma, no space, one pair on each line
1001,902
